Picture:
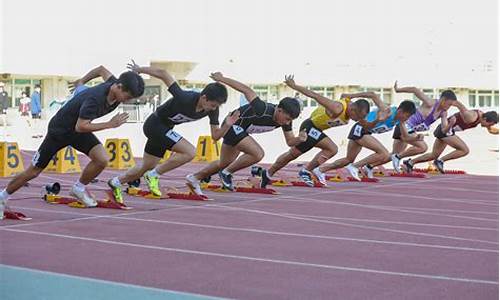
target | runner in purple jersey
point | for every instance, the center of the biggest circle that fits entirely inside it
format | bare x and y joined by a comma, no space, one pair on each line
427,113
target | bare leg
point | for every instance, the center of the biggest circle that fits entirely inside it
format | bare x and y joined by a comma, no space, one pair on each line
252,154
283,160
437,149
227,155
98,162
148,162
381,153
184,153
22,178
461,148
418,147
328,150
353,149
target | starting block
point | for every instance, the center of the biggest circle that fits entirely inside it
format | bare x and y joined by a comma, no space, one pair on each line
280,182
240,189
412,175
14,215
380,171
341,176
363,179
283,183
73,202
135,191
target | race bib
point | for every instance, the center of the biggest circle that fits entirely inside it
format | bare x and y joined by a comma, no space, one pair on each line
237,129
421,127
335,123
259,129
358,129
174,136
380,129
314,133
180,118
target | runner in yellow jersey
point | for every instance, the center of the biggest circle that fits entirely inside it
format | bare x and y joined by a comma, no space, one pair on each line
329,114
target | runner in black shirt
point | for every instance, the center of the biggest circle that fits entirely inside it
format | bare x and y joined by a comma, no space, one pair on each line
72,126
255,117
184,106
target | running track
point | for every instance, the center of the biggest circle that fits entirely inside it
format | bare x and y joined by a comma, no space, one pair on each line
401,238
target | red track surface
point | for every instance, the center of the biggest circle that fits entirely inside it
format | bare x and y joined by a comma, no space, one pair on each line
411,238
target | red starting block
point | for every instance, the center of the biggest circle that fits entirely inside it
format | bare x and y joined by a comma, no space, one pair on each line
133,191
14,215
55,199
412,175
363,179
257,190
301,183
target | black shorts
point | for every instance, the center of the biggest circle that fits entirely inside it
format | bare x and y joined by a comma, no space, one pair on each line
440,135
357,132
83,142
314,136
234,135
160,136
397,132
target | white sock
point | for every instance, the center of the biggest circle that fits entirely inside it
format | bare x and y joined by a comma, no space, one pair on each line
116,182
153,173
4,194
79,186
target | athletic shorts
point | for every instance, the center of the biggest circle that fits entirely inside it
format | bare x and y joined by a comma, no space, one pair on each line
83,142
234,135
440,135
397,132
357,132
314,136
160,136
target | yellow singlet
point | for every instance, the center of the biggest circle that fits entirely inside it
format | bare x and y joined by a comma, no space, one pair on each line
323,121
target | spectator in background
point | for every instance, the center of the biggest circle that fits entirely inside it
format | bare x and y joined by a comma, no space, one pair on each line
24,105
36,110
4,103
36,104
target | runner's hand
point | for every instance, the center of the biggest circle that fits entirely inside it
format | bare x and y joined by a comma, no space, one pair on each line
302,136
217,76
118,120
232,117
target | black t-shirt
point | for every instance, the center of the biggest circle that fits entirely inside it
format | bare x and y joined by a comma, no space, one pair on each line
182,108
257,117
89,104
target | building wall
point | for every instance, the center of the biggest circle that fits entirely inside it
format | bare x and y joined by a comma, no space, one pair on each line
56,88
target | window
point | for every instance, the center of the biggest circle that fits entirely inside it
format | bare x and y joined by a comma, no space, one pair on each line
262,91
384,93
483,98
197,87
428,92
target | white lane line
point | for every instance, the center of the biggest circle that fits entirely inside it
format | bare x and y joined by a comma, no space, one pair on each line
375,228
261,259
397,222
283,233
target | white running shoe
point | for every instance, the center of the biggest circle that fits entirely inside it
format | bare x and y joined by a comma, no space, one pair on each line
320,175
368,171
83,197
353,171
194,184
396,160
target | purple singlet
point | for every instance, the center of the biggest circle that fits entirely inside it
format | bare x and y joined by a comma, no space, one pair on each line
417,122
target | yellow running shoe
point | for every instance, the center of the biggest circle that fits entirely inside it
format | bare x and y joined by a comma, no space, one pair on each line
153,184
